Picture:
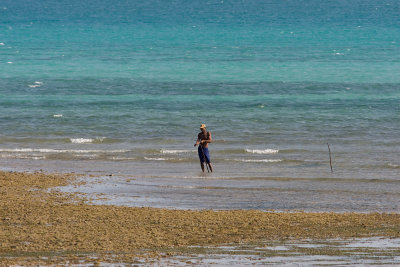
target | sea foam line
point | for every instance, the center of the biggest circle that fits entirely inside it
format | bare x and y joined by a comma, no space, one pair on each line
391,165
123,158
177,151
36,84
262,151
20,156
47,150
86,140
258,160
157,159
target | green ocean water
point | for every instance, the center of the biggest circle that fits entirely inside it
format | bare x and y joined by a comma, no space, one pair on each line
121,87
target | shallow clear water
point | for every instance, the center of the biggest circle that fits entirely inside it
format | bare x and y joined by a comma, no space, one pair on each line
333,252
123,88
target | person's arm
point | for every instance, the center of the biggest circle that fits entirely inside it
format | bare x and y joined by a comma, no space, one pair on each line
198,141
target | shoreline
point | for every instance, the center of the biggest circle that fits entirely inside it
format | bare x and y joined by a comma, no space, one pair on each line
40,224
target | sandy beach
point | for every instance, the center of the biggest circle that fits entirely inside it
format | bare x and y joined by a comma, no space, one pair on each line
39,224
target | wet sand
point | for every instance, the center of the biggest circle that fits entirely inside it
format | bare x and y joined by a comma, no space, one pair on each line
39,224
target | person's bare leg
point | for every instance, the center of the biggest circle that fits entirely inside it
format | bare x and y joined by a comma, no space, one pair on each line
202,166
209,165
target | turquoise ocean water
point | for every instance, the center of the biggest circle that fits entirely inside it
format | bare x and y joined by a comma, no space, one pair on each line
121,87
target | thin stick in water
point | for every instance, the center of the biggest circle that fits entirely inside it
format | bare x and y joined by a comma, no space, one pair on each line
330,157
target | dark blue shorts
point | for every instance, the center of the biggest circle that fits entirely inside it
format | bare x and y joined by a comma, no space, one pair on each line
206,154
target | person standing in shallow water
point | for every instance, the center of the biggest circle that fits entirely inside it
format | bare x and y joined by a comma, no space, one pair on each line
203,139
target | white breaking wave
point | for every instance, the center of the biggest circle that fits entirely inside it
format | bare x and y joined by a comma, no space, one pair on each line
20,156
158,159
26,150
393,165
262,151
258,160
36,84
49,150
123,158
86,140
172,151
81,140
57,115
